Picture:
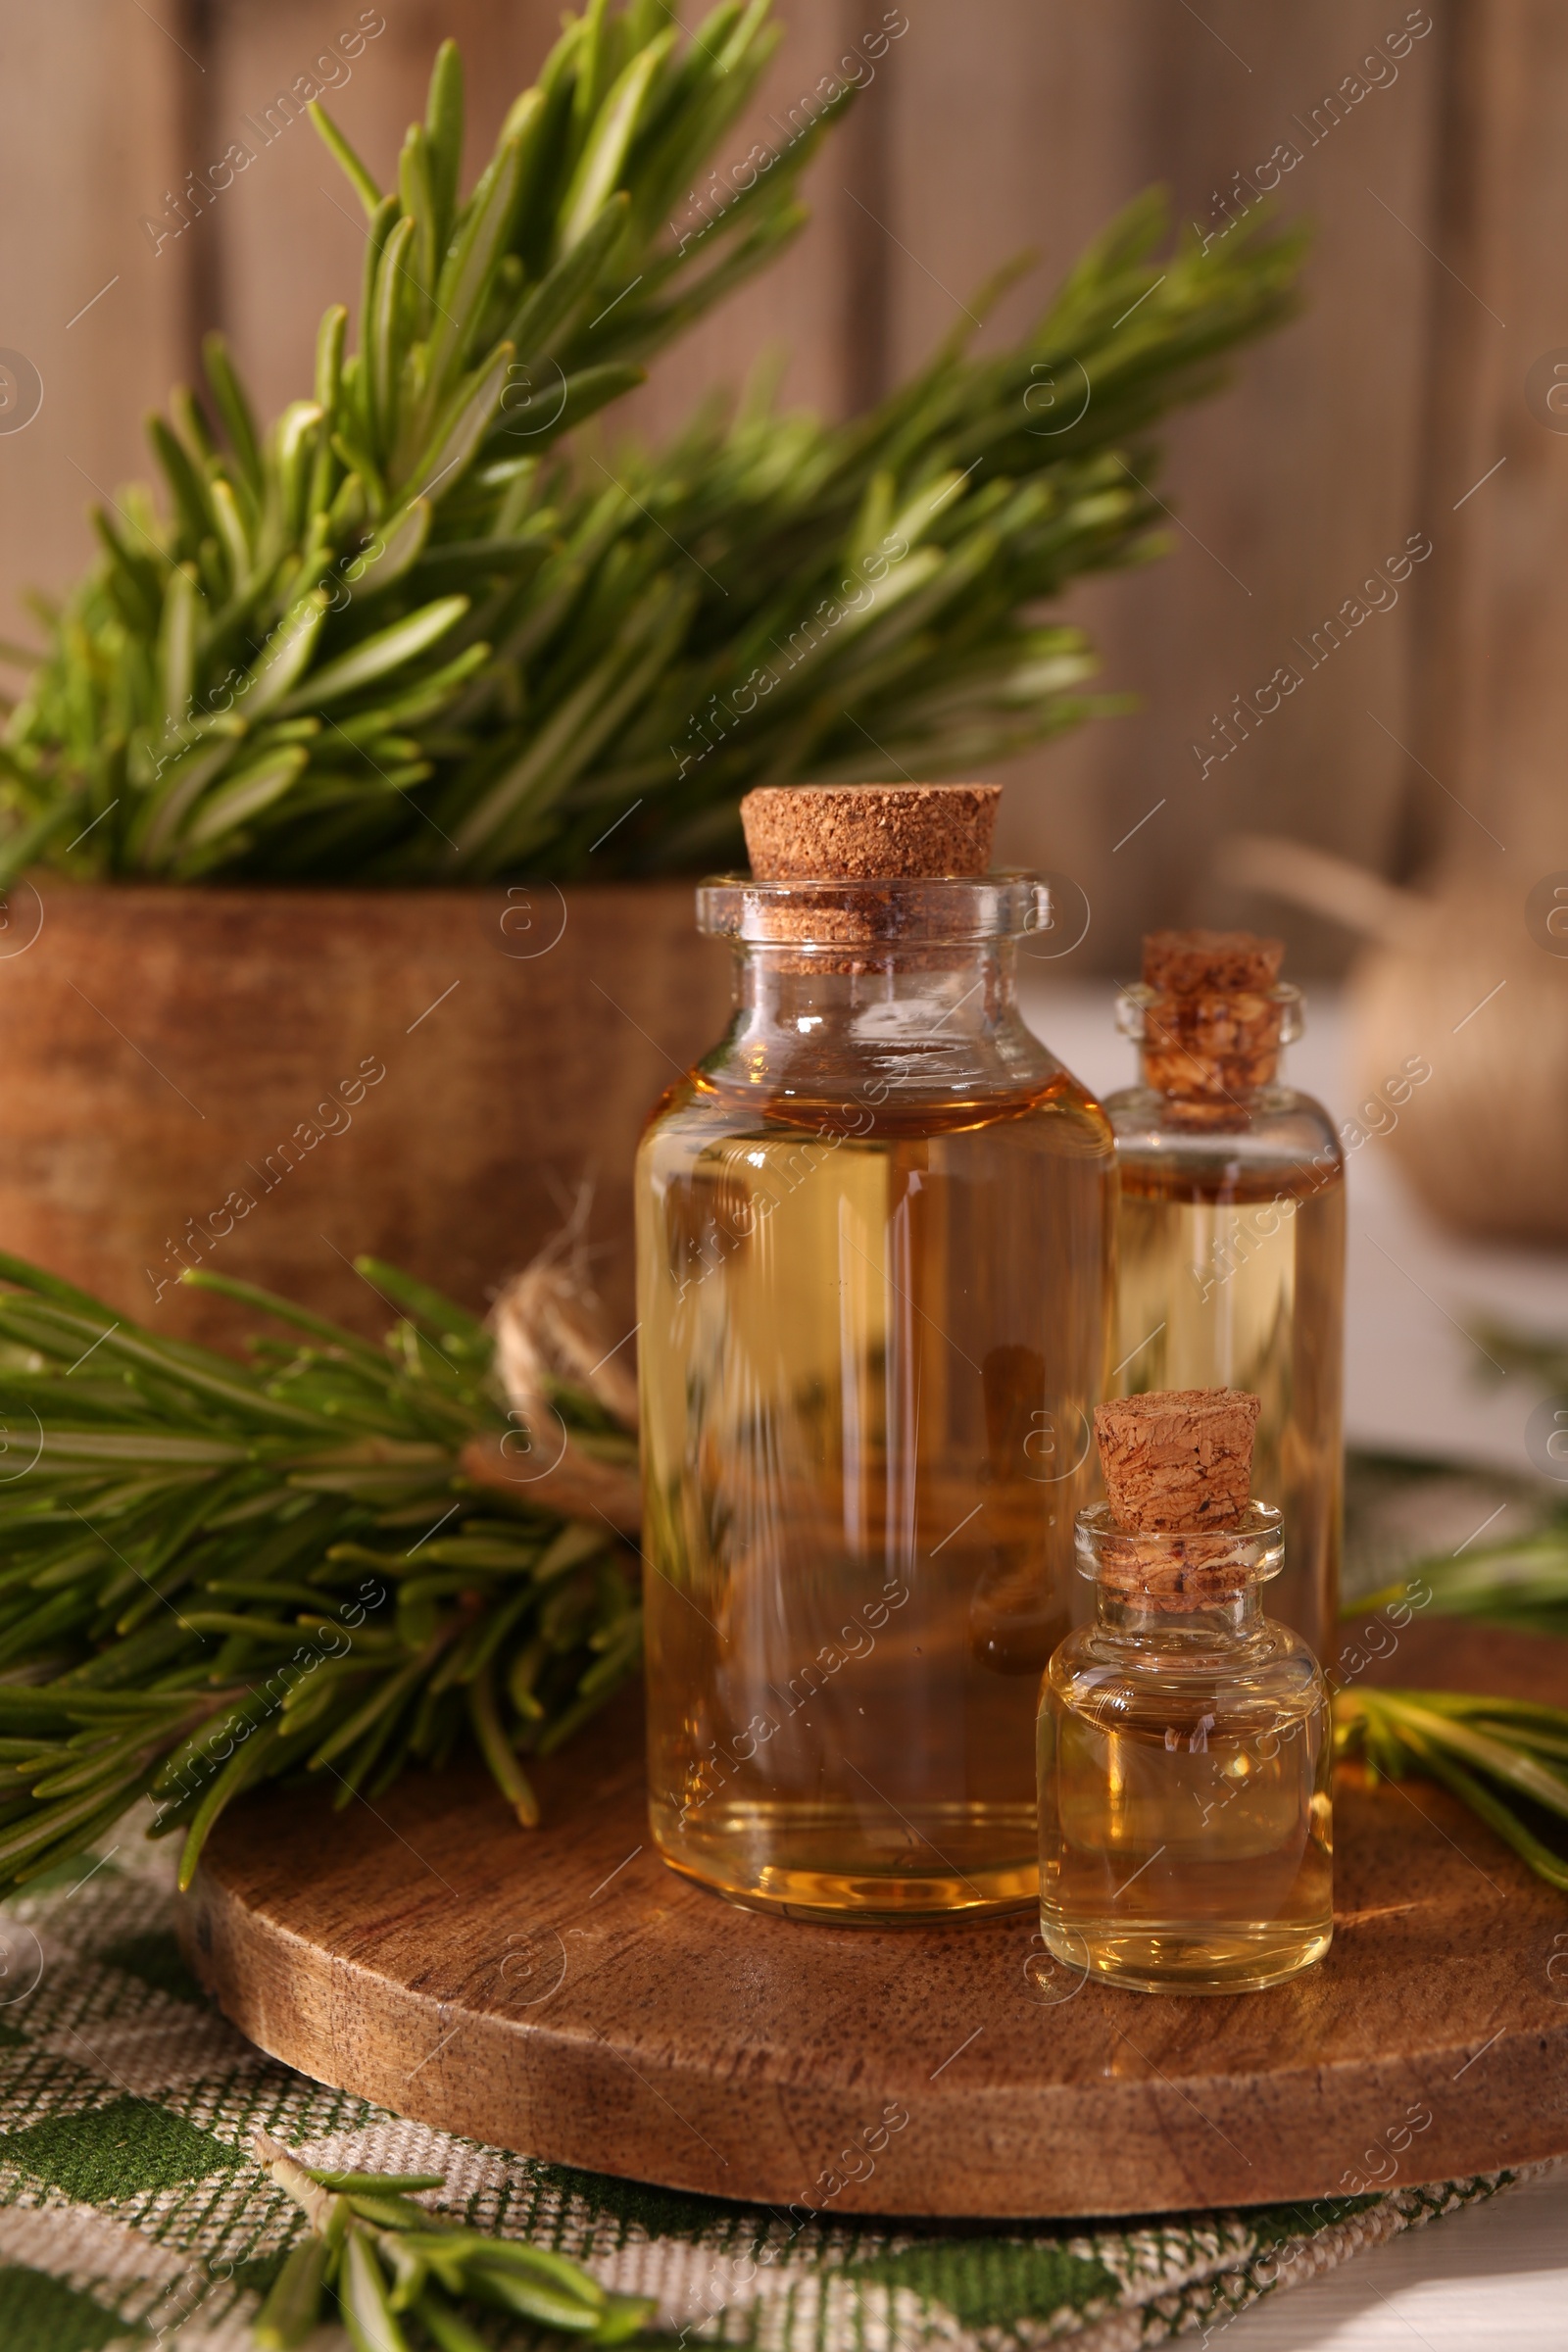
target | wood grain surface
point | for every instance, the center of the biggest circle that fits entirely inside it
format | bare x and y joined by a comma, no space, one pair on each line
565,1994
92,130
1490,695
1026,126
190,1077
982,131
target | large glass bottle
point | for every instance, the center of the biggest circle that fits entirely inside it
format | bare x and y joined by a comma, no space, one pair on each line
874,1235
1231,1234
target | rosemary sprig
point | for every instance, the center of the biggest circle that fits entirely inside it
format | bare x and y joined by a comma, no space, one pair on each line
215,1574
1522,1584
395,637
1499,1756
212,1575
387,2261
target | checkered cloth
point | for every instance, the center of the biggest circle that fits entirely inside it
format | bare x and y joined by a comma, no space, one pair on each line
133,2208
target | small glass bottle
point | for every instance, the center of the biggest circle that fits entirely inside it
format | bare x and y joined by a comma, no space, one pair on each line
1231,1233
1185,1749
874,1233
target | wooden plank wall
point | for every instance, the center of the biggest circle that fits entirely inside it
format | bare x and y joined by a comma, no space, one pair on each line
1492,679
986,128
92,130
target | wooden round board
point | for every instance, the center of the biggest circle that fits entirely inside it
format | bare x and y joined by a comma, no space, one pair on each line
563,1993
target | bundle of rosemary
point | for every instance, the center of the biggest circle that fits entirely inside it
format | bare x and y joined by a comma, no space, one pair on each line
212,1575
401,637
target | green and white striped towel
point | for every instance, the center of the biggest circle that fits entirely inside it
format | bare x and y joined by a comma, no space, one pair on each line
131,2207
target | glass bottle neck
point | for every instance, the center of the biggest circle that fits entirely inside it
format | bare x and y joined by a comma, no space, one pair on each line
923,1034
1210,1054
936,994
1180,1590
878,987
1236,1618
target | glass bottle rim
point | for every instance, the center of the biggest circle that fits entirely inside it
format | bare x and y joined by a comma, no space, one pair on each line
824,916
1248,1553
1134,998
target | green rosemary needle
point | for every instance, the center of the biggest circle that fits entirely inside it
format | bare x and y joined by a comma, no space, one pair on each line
214,1574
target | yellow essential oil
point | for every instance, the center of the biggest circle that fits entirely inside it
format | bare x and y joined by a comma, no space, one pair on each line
873,1246
1185,1831
1231,1234
1231,1275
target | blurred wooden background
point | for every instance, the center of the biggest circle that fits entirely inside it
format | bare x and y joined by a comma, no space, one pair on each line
1432,161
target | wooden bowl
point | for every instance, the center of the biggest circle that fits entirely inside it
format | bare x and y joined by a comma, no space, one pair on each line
267,1082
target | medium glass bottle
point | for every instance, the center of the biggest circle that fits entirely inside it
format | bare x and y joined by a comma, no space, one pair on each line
1231,1233
874,1234
1185,1749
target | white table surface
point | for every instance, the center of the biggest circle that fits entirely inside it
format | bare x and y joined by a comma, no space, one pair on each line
1493,2277
1496,2275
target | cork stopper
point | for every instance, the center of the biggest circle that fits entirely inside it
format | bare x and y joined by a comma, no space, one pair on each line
1213,964
869,832
1178,1461
1212,1021
1178,1467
